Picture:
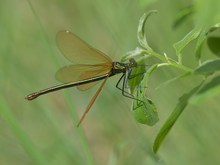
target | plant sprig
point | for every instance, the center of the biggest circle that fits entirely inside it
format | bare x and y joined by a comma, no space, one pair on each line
147,113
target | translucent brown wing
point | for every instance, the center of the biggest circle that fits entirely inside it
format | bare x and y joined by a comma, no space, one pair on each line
74,73
78,51
90,74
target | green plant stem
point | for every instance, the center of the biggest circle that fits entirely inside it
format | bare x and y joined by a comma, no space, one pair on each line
166,61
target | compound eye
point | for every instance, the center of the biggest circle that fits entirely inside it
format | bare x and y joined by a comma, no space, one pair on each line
132,62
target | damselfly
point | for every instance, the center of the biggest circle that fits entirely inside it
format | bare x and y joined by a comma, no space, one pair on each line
88,68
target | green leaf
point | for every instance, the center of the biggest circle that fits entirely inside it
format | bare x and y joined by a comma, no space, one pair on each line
200,42
180,45
144,110
202,38
133,54
182,15
137,74
213,28
183,102
208,67
214,45
210,89
141,30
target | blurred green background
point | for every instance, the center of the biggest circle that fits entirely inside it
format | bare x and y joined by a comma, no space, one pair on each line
44,131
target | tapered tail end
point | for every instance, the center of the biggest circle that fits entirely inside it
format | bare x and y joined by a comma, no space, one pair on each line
79,122
32,96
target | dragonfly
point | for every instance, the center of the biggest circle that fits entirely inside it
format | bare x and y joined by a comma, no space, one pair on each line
89,66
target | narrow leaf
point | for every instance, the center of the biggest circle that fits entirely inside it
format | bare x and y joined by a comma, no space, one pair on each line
138,52
180,45
210,89
141,30
183,102
182,15
144,110
213,28
208,67
199,45
202,38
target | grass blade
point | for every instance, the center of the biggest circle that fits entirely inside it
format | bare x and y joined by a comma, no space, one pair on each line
29,147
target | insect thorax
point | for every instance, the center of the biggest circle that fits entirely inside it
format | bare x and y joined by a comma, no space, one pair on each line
119,67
